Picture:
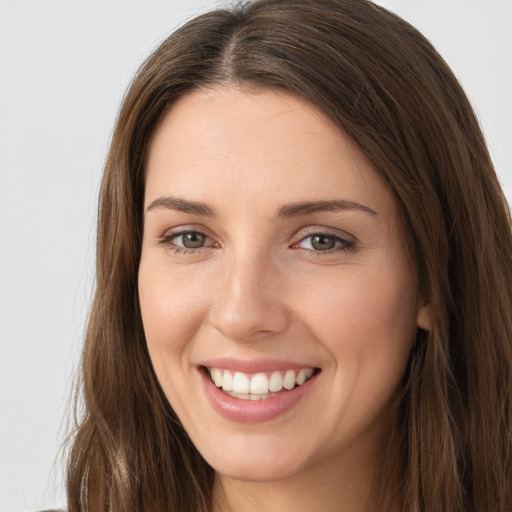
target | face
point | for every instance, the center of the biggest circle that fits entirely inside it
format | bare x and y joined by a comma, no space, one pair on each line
278,304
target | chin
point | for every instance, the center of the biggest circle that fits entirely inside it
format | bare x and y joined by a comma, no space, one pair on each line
256,458
256,470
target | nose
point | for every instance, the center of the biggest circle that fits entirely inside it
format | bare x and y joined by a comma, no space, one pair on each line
250,303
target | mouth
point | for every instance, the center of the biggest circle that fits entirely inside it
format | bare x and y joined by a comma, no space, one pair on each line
256,391
258,386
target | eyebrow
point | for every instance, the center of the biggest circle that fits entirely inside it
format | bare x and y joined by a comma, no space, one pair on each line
182,205
289,210
309,207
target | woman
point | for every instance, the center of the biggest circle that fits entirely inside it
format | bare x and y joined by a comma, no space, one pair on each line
303,277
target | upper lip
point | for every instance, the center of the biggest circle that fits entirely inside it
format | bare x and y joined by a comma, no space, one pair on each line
255,365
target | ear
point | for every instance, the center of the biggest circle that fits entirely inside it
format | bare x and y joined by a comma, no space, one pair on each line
424,318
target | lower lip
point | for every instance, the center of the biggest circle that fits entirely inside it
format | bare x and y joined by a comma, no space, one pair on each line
254,411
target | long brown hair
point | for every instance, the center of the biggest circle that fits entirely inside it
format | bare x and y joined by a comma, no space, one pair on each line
387,88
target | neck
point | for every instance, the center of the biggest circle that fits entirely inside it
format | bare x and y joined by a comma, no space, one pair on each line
285,496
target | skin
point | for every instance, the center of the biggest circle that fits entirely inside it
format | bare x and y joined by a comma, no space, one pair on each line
259,288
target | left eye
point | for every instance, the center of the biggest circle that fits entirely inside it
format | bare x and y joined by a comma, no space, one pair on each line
322,242
191,240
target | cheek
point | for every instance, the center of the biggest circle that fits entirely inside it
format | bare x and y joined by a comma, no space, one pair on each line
364,317
172,311
367,324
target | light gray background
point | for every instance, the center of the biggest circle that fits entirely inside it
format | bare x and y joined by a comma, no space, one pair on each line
64,66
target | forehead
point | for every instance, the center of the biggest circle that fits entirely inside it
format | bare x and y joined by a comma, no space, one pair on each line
230,142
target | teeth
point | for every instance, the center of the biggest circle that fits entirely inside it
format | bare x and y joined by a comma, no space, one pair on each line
260,385
240,383
250,397
275,383
289,380
217,377
302,376
227,381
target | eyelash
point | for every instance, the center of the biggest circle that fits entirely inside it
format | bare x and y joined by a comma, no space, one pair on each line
344,245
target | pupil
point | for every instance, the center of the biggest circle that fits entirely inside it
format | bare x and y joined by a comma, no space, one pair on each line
323,242
193,240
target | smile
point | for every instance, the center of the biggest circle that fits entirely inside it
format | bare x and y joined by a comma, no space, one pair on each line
256,391
258,386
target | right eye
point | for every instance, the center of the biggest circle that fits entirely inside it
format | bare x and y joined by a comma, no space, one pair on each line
190,240
185,241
